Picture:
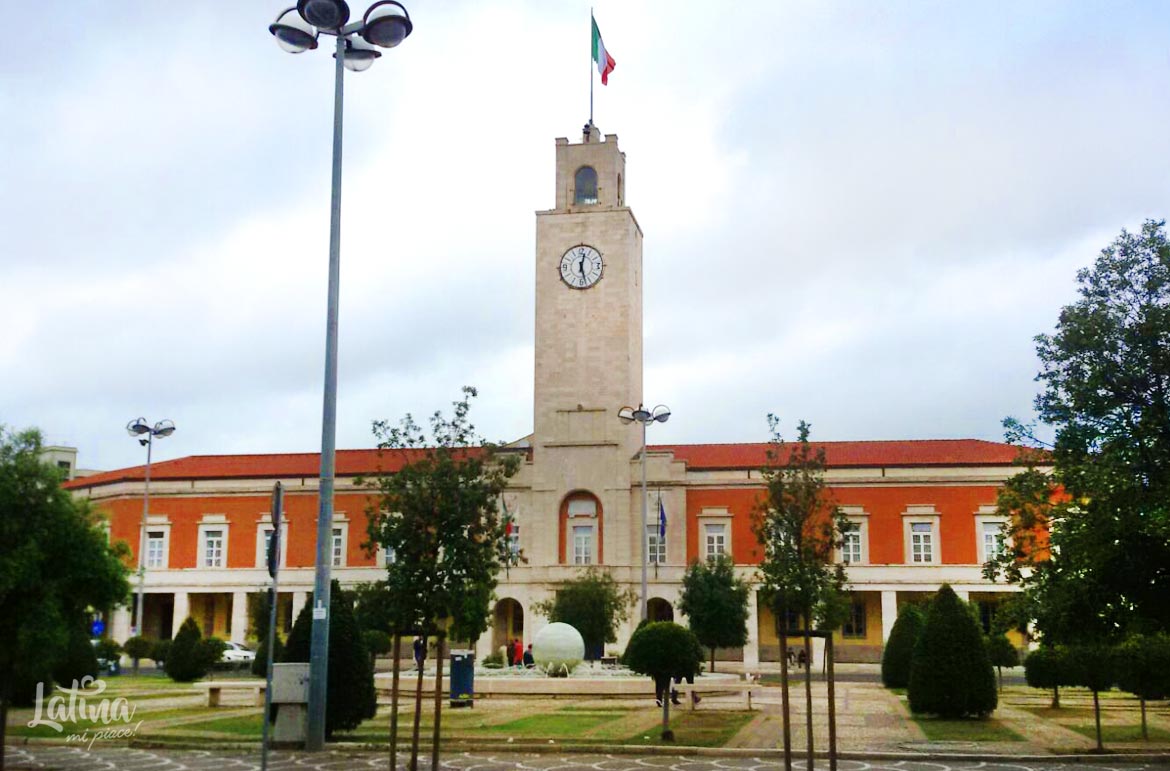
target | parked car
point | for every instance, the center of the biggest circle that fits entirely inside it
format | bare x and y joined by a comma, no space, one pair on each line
236,654
108,657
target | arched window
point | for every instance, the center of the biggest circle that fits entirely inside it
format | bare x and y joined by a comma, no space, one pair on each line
581,529
585,183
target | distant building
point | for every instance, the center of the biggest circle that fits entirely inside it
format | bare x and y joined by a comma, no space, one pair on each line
923,512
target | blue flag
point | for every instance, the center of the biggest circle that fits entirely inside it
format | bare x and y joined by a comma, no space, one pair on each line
661,520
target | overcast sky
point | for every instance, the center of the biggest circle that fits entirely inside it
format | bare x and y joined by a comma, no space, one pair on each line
855,213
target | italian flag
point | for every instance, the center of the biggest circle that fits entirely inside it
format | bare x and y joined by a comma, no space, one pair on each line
605,62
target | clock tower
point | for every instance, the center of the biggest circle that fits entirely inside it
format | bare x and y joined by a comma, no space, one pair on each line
588,355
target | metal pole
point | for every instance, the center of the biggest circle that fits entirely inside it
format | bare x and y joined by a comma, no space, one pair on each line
138,625
319,650
644,539
274,569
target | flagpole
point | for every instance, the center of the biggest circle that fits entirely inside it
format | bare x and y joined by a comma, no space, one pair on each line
591,68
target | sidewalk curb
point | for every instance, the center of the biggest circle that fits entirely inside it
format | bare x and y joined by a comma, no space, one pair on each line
739,752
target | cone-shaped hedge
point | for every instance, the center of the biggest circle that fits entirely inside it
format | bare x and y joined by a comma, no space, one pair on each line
899,650
951,674
350,696
187,658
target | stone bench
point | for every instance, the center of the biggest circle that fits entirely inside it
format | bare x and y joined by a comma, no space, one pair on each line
215,687
718,686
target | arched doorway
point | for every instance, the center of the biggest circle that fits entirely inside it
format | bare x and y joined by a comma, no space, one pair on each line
507,622
658,609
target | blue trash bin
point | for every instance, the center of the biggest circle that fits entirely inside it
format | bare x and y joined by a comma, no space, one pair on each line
462,678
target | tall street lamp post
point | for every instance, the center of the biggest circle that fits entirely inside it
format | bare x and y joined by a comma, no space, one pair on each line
385,24
627,415
145,434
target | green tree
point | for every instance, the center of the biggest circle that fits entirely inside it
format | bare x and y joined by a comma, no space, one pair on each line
187,659
79,661
715,602
1143,669
664,650
350,697
899,651
439,515
799,527
55,564
1093,666
593,603
137,647
1001,653
1106,391
1048,667
951,675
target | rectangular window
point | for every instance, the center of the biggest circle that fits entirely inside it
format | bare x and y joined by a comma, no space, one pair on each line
583,544
155,548
992,540
655,546
921,542
851,544
213,548
338,547
854,626
715,537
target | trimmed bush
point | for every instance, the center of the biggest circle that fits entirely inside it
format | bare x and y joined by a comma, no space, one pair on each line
160,651
1002,654
1092,666
950,674
79,661
136,648
899,650
664,650
378,643
350,696
187,659
1143,669
1048,668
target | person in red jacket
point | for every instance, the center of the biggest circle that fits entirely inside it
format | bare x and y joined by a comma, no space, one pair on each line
518,651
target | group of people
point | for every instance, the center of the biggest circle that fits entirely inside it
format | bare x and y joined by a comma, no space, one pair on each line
518,655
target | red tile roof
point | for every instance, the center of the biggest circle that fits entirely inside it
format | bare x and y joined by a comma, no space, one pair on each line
924,452
920,452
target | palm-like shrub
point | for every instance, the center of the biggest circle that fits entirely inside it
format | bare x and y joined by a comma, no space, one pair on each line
899,650
951,675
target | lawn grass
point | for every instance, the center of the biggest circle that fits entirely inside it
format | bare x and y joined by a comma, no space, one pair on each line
699,728
1119,733
987,730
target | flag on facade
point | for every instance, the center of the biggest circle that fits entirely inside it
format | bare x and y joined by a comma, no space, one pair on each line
605,62
661,520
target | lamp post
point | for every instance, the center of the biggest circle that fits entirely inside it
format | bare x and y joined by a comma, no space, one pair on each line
385,24
145,434
627,415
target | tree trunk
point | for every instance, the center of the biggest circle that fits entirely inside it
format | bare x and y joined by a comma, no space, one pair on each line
667,734
1056,697
438,700
1097,718
712,658
135,667
418,684
808,702
832,703
1000,671
782,628
1145,731
397,664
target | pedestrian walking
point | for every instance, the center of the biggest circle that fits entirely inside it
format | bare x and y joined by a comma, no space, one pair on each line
420,653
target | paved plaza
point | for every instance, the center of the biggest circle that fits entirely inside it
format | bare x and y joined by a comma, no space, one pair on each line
122,759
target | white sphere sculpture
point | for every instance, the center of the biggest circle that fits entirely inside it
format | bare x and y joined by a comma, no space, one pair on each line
558,649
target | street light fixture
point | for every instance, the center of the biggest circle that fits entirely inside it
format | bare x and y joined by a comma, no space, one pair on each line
385,24
640,414
145,434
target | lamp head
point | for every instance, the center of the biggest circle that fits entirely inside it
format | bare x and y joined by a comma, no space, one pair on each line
661,413
292,33
137,427
642,415
386,24
163,428
359,55
626,415
324,14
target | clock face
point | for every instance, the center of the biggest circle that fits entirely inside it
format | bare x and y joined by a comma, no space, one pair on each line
581,267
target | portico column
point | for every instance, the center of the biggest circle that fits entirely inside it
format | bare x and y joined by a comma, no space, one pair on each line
963,594
120,624
751,651
239,630
182,610
299,600
889,613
